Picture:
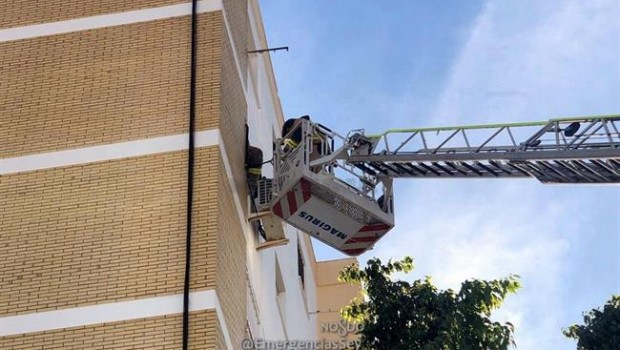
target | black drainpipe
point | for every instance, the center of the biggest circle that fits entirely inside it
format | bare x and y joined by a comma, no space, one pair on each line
190,173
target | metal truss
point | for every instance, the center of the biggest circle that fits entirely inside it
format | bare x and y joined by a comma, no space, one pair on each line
575,150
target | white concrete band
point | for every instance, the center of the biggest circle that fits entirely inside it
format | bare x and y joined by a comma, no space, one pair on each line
128,310
107,152
121,150
107,20
113,312
102,313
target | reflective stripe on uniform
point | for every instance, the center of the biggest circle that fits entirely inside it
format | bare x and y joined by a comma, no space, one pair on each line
290,143
254,171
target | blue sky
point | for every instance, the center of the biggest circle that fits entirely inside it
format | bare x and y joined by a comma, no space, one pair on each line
392,64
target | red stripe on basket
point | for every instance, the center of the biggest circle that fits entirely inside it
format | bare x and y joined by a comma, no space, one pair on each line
362,239
277,209
374,227
306,189
292,202
354,251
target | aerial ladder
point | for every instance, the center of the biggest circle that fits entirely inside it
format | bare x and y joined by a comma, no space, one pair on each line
339,189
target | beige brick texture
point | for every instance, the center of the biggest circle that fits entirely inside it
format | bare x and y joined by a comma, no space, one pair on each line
106,85
19,12
149,334
231,264
231,280
104,232
231,274
233,109
239,22
115,230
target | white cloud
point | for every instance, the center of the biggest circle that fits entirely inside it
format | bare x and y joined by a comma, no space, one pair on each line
489,231
524,60
532,59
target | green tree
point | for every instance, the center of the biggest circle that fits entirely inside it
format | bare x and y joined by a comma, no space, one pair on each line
418,316
601,329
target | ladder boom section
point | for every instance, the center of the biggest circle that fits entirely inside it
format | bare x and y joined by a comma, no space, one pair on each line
569,150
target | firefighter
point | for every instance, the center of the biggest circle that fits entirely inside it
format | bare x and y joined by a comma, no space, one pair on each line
385,207
292,133
253,166
291,130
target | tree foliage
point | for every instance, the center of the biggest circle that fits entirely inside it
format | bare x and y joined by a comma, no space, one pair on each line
418,316
601,329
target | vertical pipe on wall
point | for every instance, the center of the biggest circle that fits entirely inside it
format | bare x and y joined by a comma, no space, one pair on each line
190,173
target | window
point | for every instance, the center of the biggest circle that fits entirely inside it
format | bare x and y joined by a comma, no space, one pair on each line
281,296
279,280
300,265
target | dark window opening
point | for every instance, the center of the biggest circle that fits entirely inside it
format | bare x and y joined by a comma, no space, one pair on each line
300,265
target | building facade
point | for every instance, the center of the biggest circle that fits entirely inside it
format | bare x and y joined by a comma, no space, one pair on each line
332,295
93,179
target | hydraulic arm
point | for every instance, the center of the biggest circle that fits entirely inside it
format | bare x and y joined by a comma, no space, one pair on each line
339,189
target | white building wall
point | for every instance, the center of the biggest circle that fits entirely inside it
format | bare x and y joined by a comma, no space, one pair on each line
290,316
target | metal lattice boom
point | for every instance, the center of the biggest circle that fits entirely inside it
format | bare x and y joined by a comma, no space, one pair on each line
339,189
570,150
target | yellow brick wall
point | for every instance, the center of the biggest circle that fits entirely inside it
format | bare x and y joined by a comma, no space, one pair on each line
231,263
233,119
115,230
231,275
238,20
106,231
19,12
149,334
130,81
